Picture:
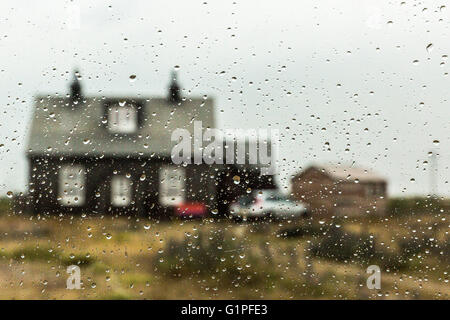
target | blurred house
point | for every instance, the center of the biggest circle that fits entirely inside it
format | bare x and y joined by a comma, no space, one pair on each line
340,190
113,154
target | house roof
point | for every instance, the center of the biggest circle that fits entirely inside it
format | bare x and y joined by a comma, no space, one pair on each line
60,127
350,173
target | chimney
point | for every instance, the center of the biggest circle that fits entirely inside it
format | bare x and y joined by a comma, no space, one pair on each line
75,88
174,90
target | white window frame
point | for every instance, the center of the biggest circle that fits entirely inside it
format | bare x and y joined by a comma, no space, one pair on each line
122,119
172,188
72,192
121,191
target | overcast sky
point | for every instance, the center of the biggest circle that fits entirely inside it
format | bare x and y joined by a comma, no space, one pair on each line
354,77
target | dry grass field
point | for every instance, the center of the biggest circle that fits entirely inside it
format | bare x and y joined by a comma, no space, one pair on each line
137,258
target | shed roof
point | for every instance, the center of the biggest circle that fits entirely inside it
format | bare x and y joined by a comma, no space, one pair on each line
350,173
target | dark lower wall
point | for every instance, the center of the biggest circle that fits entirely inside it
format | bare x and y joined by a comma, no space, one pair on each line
214,185
144,173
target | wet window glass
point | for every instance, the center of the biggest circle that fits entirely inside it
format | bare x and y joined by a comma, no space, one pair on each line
228,149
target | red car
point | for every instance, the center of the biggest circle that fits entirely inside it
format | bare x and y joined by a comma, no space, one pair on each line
191,210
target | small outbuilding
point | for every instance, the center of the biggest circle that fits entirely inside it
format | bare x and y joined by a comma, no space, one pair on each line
340,190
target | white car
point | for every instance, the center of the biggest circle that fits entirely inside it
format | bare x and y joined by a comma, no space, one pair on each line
267,204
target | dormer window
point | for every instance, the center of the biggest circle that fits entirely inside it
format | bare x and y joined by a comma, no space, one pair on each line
122,119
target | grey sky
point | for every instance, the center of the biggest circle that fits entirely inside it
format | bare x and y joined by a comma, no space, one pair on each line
340,72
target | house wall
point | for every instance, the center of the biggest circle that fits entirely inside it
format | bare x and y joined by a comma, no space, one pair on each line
359,198
327,197
313,187
212,185
144,174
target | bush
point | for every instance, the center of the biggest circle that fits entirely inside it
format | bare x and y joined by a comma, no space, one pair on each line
5,205
347,247
34,253
37,253
405,206
342,246
216,257
78,259
301,231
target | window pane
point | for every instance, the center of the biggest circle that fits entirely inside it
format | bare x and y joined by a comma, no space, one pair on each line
120,191
172,184
71,185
